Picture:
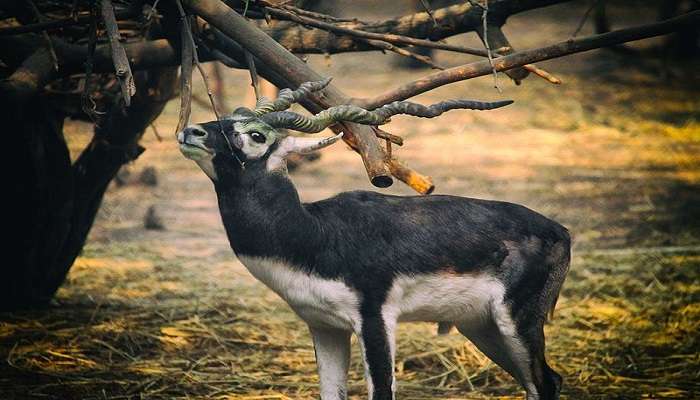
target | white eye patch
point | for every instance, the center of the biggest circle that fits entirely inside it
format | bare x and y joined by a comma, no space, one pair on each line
250,140
252,149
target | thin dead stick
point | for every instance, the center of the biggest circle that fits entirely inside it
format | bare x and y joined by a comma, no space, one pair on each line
427,8
581,23
571,46
155,132
121,62
185,71
316,15
402,52
205,79
484,21
49,43
384,37
250,62
195,58
254,81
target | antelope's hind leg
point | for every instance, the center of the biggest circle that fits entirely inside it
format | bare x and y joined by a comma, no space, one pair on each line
332,347
519,350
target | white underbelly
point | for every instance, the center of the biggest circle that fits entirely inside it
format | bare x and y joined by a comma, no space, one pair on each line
442,298
331,303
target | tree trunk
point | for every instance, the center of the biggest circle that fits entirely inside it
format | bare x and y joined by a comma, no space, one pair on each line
56,202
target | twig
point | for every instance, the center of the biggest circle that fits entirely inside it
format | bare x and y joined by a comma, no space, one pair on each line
155,132
581,23
187,32
571,46
484,21
121,62
254,81
152,11
427,8
185,71
316,15
205,79
402,52
49,43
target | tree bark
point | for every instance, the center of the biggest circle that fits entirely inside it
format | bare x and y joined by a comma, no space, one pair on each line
56,201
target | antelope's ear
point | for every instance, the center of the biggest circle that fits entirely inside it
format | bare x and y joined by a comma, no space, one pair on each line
299,145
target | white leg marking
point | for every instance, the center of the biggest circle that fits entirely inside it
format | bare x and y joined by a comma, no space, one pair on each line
368,376
332,348
518,353
390,322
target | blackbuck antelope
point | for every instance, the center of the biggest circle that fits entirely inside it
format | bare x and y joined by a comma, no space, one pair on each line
361,262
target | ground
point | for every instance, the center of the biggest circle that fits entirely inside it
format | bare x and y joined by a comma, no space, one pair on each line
612,154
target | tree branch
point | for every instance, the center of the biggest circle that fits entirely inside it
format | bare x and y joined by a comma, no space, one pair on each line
187,56
521,58
295,72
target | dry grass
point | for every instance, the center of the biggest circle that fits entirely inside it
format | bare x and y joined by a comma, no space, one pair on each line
613,154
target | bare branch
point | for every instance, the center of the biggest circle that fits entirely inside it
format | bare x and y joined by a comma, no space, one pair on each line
357,33
295,72
521,58
121,62
452,20
385,41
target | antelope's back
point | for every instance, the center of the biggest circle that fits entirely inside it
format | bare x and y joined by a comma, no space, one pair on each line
422,234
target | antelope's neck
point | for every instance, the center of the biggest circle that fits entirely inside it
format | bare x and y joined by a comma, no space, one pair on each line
265,218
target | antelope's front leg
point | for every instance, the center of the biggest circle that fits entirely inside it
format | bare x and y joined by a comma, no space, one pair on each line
332,348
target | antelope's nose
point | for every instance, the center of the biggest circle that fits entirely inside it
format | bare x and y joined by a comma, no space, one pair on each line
191,132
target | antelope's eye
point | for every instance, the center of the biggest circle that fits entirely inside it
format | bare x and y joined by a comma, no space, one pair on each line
258,137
